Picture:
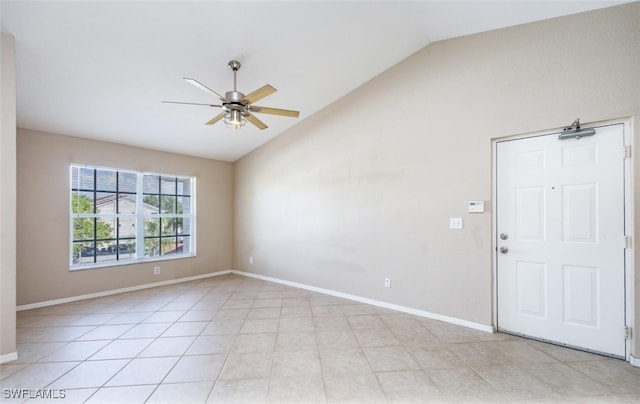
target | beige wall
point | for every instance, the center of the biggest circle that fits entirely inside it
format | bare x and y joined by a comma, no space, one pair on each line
43,219
7,199
364,189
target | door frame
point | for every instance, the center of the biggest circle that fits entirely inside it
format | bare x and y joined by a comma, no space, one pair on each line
628,222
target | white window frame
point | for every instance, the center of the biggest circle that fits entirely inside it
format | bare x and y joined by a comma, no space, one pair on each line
139,218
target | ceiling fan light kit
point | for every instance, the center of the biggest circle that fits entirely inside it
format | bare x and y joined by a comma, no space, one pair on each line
237,108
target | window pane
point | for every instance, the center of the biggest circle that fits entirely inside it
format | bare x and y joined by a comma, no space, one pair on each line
127,181
107,251
185,242
168,186
184,205
81,178
184,226
127,203
106,203
82,202
184,186
169,226
151,227
171,246
83,253
151,247
105,229
127,227
105,180
83,229
127,249
151,184
168,204
151,204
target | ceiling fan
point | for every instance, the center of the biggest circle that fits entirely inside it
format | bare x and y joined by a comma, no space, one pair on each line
238,108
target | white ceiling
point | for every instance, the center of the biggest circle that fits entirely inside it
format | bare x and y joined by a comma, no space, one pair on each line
100,70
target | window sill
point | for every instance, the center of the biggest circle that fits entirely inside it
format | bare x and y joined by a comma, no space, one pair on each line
109,264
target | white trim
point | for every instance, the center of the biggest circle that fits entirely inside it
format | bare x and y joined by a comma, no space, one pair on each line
633,361
116,291
420,313
10,357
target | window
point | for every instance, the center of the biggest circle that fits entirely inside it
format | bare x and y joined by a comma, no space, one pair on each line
121,216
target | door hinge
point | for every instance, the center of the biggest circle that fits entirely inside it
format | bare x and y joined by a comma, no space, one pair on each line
627,332
628,242
627,152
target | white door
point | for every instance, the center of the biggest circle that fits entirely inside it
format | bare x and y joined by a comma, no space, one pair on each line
560,239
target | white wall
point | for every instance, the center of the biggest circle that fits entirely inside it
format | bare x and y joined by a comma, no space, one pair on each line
7,199
364,189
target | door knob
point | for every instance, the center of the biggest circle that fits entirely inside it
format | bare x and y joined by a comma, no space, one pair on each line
504,250
504,236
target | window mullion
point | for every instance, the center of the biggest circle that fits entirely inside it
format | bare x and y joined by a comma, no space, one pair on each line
140,216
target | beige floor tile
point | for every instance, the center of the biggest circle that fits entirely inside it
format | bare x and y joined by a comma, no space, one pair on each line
615,374
263,313
185,329
371,337
267,302
344,362
169,346
389,359
222,327
211,344
38,375
122,349
146,330
196,369
248,366
129,318
337,339
184,393
409,387
366,322
517,383
463,384
293,341
143,371
296,324
296,363
240,391
111,331
357,388
259,326
164,316
198,315
125,394
33,352
297,389
248,343
439,358
75,351
65,334
90,374
94,319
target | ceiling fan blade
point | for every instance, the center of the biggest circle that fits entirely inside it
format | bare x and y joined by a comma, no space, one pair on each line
275,111
204,88
258,123
191,103
215,119
258,94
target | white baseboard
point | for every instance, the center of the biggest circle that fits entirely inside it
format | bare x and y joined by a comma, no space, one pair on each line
10,357
420,313
634,361
116,291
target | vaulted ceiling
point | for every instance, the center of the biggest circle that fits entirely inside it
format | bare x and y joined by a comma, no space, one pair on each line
100,70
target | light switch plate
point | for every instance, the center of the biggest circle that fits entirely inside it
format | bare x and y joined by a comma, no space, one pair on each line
455,223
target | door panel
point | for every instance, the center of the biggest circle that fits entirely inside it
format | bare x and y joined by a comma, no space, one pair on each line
560,204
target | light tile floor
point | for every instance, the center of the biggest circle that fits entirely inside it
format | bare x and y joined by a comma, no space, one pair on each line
240,340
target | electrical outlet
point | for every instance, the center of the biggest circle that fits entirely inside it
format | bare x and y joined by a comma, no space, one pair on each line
156,270
387,282
250,260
